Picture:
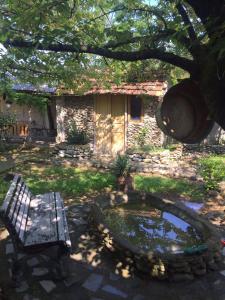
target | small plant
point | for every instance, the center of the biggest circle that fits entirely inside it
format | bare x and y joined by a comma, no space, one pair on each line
76,136
141,137
121,166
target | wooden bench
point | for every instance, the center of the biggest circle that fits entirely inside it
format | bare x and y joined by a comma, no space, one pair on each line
34,222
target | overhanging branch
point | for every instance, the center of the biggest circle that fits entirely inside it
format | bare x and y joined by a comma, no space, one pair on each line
171,58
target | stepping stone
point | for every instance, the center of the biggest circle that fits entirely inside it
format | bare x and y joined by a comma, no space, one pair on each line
32,262
29,297
20,256
114,291
139,297
23,287
9,249
113,277
73,279
93,282
48,285
223,251
79,222
39,271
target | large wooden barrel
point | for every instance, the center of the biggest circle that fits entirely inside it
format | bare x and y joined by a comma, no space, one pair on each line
183,114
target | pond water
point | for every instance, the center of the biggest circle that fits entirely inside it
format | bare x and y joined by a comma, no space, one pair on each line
151,229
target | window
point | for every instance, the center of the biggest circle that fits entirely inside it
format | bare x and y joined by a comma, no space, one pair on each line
135,108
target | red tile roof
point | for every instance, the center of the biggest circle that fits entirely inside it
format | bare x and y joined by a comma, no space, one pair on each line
151,88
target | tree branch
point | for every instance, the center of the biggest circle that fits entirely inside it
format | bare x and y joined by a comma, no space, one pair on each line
182,11
209,12
171,58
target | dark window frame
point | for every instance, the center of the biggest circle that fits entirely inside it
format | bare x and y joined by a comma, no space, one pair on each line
140,117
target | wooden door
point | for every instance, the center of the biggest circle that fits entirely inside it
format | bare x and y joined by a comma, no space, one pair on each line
118,123
103,124
109,124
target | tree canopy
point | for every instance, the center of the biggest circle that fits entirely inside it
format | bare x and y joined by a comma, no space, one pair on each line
63,41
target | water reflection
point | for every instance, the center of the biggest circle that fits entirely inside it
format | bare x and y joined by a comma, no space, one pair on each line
152,229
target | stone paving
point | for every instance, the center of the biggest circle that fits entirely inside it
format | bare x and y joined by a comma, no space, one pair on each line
93,273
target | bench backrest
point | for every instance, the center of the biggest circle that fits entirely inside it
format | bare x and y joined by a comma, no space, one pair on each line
16,205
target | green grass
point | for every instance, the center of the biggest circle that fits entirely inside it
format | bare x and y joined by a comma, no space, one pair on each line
70,182
212,169
165,185
73,182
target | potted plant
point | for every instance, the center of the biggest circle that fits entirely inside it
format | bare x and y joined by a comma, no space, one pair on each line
121,169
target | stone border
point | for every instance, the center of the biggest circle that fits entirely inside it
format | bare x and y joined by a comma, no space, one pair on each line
158,265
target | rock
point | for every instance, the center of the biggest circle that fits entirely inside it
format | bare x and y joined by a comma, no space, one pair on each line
48,285
9,249
138,297
32,262
23,287
39,271
114,291
93,282
181,277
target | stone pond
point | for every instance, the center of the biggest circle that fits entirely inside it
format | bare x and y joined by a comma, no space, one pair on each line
158,237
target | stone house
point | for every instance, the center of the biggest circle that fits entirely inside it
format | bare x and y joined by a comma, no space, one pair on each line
116,118
30,121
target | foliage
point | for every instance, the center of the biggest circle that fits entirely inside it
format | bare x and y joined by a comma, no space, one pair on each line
21,98
4,186
167,186
121,166
60,42
141,136
212,169
6,120
76,136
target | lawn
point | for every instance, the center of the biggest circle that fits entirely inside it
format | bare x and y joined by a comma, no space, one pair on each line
74,182
166,186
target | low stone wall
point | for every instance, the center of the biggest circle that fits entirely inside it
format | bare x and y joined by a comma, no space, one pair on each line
163,163
77,152
201,148
169,265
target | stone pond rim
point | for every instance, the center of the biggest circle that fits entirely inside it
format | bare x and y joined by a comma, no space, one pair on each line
183,114
171,266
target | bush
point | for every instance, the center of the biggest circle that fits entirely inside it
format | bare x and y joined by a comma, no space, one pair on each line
212,169
76,136
142,136
121,166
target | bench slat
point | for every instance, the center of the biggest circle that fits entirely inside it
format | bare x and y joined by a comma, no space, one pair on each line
18,204
15,199
63,232
24,215
20,215
9,194
41,225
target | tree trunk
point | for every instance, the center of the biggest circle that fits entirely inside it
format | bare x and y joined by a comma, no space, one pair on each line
212,85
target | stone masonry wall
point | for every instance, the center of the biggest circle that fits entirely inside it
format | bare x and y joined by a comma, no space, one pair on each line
77,109
154,134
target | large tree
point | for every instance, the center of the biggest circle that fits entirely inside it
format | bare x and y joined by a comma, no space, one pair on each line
51,39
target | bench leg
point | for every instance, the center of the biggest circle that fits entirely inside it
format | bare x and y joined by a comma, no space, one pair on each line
61,268
16,272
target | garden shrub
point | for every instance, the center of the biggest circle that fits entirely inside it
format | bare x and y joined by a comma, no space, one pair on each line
212,169
76,136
